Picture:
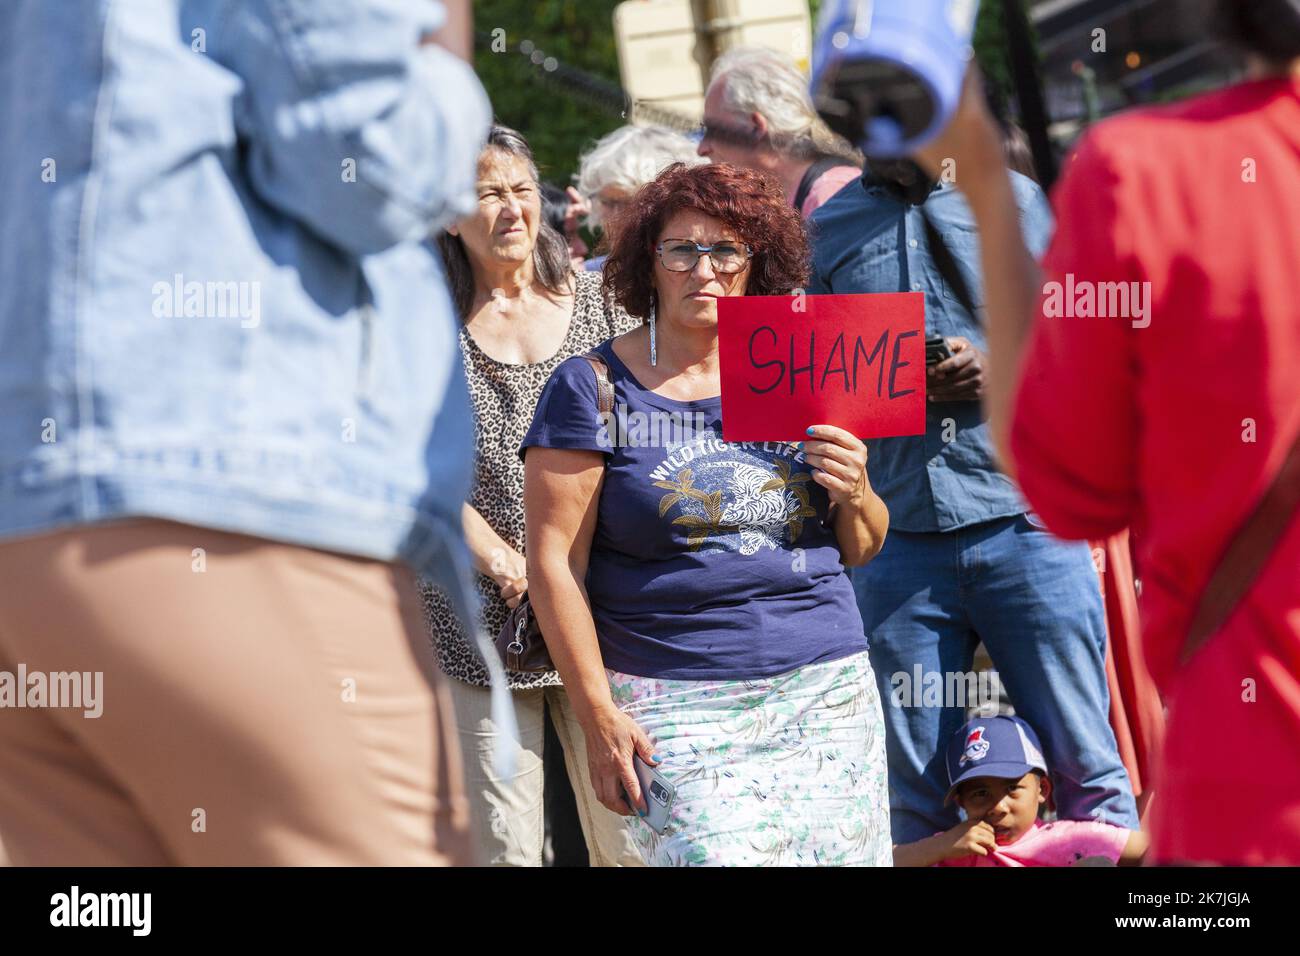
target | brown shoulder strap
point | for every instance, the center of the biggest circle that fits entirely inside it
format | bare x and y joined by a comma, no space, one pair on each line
1247,553
604,387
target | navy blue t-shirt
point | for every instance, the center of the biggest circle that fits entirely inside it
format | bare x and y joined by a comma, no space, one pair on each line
711,560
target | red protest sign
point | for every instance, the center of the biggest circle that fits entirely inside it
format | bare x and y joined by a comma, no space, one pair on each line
856,361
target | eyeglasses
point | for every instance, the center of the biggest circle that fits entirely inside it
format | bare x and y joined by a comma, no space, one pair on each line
681,255
727,130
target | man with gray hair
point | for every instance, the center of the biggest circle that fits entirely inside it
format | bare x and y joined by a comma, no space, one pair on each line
758,113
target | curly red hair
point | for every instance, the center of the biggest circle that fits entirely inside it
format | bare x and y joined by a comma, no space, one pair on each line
751,203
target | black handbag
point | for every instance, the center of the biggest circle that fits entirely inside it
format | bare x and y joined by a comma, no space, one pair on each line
520,642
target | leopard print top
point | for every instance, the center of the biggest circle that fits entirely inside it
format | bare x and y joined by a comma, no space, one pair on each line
505,397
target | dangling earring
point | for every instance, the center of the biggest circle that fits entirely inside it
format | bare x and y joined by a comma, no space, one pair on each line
654,355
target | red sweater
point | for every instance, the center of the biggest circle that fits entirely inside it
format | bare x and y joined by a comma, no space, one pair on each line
1173,417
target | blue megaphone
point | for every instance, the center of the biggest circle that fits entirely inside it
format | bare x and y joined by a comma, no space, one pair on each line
887,74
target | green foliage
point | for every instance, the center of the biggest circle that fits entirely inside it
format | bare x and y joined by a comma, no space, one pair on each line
992,49
578,33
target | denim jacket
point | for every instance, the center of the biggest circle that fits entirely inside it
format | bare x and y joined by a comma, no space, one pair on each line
218,304
866,240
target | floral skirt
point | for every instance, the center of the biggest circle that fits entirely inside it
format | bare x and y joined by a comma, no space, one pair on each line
782,771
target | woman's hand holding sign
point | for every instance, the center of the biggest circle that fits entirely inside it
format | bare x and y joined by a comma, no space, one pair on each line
859,516
841,463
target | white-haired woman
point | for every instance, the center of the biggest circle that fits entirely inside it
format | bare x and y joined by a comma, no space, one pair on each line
758,114
620,163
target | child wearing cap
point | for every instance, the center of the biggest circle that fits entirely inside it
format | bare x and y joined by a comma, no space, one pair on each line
999,778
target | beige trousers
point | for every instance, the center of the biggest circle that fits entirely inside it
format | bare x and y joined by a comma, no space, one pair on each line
507,815
261,704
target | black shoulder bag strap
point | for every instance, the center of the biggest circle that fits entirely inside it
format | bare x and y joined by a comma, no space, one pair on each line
947,265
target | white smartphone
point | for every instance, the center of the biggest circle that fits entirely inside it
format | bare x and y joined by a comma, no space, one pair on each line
659,794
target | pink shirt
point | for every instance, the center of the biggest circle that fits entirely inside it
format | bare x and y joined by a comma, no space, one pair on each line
827,185
1054,844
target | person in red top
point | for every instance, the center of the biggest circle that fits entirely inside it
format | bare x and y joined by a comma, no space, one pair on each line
1157,387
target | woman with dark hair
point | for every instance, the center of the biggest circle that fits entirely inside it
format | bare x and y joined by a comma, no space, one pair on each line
523,311
693,591
1162,392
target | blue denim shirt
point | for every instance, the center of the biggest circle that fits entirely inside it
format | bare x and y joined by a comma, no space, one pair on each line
865,240
217,301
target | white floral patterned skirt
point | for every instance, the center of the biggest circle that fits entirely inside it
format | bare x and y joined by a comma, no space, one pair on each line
781,771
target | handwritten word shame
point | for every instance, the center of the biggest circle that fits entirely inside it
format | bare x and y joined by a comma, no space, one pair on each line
854,361
834,365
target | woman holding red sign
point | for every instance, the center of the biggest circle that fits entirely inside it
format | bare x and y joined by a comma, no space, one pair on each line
693,591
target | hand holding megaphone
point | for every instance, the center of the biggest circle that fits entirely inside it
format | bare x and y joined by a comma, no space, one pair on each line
969,148
887,74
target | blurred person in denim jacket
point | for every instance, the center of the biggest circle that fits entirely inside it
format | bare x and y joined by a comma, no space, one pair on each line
233,402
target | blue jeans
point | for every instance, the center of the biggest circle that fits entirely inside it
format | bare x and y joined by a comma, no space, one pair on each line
1034,600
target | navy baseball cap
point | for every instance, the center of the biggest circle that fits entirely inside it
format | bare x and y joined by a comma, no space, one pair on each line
1004,747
